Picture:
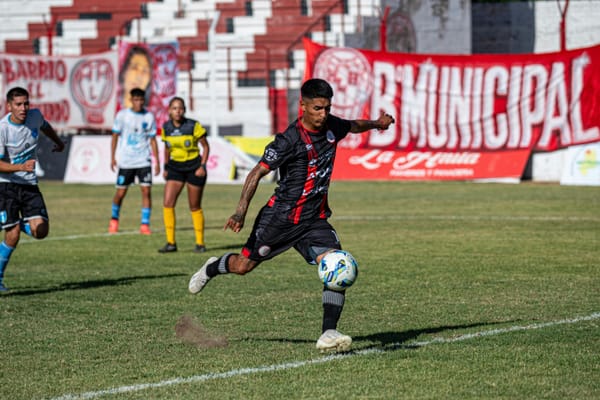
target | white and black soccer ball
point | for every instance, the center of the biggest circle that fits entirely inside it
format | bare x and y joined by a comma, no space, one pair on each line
338,270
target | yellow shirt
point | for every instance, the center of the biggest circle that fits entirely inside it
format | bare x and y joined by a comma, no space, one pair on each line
182,141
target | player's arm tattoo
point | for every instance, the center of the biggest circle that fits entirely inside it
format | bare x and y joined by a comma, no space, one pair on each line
249,189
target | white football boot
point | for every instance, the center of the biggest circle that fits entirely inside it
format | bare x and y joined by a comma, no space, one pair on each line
332,340
200,279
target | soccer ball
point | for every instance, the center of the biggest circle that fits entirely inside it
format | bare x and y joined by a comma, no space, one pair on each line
338,270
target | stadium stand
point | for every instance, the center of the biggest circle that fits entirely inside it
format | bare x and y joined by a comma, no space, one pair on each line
258,43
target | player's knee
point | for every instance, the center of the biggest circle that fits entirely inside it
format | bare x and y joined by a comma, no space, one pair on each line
40,231
321,252
239,269
240,265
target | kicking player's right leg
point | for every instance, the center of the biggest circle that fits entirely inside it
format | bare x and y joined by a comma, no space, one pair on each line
227,263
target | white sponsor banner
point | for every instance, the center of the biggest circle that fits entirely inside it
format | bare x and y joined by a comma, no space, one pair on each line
89,161
71,92
582,165
547,166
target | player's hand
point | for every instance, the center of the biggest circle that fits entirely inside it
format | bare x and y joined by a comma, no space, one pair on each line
384,121
156,169
200,172
28,166
235,223
113,164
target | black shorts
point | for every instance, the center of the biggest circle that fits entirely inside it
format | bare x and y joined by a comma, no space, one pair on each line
126,176
185,172
20,202
271,236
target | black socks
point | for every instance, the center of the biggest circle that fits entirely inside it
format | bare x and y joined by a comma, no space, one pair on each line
333,304
219,266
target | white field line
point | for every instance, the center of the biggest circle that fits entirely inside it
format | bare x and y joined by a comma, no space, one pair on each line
542,218
26,240
298,364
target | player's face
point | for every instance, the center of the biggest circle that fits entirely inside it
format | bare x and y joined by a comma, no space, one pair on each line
176,111
137,103
315,112
18,108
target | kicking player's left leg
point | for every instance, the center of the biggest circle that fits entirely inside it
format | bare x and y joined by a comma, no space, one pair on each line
318,241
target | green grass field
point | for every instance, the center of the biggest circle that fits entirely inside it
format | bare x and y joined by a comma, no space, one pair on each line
466,291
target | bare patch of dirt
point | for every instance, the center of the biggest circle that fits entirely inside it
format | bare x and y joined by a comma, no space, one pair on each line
192,332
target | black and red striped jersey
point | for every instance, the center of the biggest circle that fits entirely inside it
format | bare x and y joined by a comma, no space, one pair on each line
305,162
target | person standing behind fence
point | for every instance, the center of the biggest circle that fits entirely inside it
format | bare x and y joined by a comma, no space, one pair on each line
185,165
22,207
132,147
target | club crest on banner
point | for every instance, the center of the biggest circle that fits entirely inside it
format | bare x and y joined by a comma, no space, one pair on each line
349,74
93,84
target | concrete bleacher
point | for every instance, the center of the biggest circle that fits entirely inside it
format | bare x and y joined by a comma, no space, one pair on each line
260,29
92,23
254,41
17,15
287,23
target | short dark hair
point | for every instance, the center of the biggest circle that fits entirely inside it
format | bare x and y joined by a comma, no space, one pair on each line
176,98
316,88
137,92
16,92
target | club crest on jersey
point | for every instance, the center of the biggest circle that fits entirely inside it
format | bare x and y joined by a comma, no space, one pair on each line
271,155
330,137
35,133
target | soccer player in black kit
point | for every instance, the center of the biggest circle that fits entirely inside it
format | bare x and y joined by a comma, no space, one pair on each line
296,214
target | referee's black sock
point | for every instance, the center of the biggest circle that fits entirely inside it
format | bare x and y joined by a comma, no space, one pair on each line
219,266
333,304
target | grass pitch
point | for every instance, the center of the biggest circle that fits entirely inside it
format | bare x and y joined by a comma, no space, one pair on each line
466,291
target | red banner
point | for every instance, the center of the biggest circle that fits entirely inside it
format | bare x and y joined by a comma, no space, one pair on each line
377,164
152,67
452,103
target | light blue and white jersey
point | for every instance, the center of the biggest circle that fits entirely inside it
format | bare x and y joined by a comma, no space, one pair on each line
135,131
18,143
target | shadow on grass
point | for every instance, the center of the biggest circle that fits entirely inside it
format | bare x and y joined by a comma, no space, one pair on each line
228,247
128,280
208,228
396,340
